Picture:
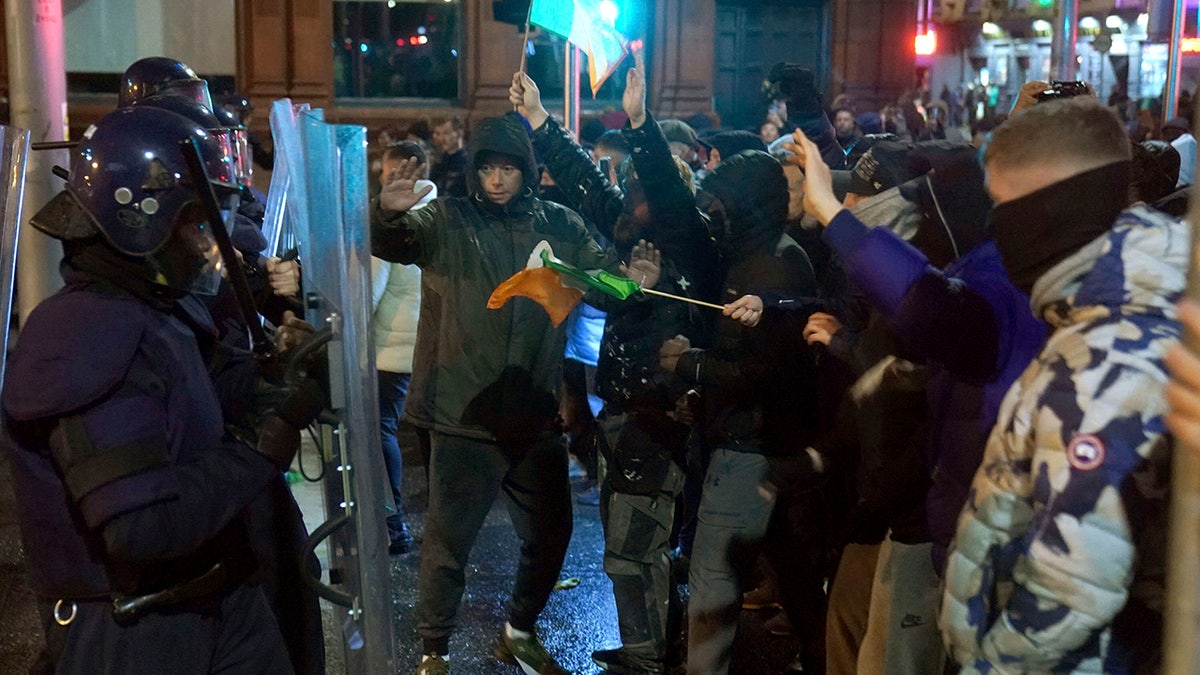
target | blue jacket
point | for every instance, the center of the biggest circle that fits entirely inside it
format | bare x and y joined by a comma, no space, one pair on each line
1059,560
969,323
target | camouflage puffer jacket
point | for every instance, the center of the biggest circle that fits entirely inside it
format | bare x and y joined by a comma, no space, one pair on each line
1059,559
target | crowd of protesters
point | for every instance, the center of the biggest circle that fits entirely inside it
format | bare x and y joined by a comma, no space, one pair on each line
930,424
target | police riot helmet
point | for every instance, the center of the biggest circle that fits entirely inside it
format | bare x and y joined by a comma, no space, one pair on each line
130,184
229,133
243,158
159,75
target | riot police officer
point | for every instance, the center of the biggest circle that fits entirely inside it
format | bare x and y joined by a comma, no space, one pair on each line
129,489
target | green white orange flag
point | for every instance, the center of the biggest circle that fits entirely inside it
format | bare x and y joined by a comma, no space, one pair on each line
580,22
557,286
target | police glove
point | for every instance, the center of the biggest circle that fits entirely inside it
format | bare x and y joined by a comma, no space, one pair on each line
279,432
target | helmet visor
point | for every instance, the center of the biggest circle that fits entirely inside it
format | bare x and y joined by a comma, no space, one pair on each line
190,259
195,90
224,171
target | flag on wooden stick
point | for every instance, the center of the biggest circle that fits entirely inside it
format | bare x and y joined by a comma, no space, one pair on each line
580,22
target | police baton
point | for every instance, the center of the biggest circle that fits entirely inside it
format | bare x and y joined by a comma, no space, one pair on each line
264,349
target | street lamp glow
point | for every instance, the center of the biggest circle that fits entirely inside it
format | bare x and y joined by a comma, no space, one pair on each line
1042,26
1113,21
1143,20
608,12
990,29
1089,23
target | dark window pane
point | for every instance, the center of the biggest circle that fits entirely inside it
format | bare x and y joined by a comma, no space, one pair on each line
397,49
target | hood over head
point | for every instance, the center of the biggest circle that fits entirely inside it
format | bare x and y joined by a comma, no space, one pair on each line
952,194
754,192
506,135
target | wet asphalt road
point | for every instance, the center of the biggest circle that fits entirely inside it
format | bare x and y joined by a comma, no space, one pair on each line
575,623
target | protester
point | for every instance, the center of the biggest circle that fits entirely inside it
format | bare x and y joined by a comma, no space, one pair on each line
1177,132
449,171
769,131
848,132
683,142
726,144
497,376
1059,559
396,300
643,442
1154,172
757,407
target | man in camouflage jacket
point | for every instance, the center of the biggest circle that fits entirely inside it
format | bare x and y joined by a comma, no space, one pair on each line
1059,557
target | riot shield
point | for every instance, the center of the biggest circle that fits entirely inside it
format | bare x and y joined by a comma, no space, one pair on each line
325,213
280,223
14,152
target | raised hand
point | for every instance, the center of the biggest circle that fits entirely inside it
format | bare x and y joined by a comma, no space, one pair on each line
398,190
819,200
634,98
524,94
645,264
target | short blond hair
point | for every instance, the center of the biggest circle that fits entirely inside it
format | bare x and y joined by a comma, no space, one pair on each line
1077,130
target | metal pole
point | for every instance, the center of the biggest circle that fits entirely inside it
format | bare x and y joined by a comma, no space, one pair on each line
575,85
37,76
571,57
1066,34
568,65
1181,649
1174,60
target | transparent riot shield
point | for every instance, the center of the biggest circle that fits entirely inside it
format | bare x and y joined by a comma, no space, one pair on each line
14,152
280,223
325,209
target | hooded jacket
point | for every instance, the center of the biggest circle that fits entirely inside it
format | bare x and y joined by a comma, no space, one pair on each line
628,375
478,372
758,383
1059,560
967,322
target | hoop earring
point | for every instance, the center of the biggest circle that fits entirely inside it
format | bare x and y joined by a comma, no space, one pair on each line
528,192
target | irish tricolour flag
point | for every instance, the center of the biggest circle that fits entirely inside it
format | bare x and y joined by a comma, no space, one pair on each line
579,22
557,286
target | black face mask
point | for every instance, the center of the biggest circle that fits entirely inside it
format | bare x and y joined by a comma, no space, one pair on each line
1041,229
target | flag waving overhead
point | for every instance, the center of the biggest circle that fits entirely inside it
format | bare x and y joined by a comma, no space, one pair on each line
557,286
580,23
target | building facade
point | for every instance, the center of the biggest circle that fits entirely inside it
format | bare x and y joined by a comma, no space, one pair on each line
377,62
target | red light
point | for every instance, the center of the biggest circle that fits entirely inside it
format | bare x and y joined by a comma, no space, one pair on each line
925,44
1190,45
412,40
399,42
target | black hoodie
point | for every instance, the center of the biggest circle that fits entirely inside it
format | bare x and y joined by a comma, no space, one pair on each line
759,383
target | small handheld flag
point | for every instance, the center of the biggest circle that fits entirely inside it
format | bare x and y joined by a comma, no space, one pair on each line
558,287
